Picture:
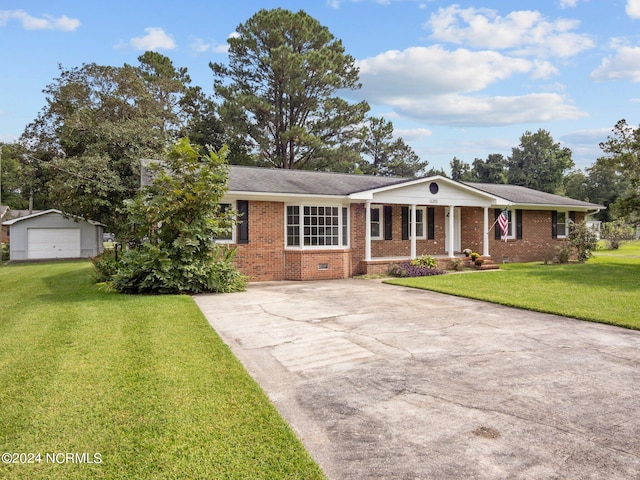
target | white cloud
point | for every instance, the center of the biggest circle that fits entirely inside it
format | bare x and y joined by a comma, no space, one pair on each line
200,46
625,64
463,110
46,22
568,3
525,31
409,134
435,85
430,71
155,39
633,9
587,137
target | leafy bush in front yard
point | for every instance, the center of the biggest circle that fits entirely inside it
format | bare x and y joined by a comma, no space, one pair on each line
583,239
150,269
174,223
615,233
425,261
407,269
104,266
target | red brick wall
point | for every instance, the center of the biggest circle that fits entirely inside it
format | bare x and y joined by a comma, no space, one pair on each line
265,258
471,228
536,243
306,264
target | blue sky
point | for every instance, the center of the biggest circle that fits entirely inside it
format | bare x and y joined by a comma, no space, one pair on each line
463,79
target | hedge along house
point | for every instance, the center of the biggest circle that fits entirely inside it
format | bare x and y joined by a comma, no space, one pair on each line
308,225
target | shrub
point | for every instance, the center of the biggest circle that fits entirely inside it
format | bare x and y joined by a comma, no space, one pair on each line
426,261
406,269
615,233
583,240
150,269
456,264
564,252
176,220
104,266
5,252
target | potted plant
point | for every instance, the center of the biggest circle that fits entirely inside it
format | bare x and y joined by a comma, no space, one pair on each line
467,252
479,261
474,256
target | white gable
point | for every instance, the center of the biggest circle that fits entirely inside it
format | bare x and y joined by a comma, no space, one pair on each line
431,191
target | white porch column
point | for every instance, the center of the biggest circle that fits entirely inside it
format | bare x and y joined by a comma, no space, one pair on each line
413,232
452,235
367,231
485,237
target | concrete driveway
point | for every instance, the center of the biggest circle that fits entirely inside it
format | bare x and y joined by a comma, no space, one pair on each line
384,382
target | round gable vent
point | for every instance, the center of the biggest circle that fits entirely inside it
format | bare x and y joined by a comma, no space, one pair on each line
433,188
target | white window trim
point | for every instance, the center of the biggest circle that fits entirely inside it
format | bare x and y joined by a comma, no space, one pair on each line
512,224
302,246
232,240
380,210
565,223
424,223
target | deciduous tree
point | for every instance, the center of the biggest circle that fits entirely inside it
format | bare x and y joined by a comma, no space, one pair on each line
98,123
539,162
622,156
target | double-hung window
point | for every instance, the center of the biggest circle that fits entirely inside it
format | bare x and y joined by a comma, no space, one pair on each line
421,222
561,224
227,236
317,226
376,223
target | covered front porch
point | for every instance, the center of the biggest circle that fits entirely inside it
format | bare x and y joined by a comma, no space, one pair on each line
439,218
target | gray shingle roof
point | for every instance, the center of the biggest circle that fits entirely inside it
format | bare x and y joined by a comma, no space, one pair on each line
307,182
303,182
527,196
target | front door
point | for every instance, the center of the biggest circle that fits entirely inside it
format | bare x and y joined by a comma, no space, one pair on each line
456,231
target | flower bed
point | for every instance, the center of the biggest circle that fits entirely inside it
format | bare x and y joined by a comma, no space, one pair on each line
407,269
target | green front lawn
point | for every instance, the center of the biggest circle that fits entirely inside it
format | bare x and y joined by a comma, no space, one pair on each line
140,384
605,289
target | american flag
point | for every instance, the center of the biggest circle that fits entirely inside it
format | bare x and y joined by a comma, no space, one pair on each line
503,221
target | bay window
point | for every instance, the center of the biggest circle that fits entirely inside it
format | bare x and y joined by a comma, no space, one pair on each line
316,226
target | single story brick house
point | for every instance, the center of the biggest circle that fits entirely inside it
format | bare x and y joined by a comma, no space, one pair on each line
307,225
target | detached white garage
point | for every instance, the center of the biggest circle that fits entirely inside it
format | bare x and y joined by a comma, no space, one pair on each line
50,235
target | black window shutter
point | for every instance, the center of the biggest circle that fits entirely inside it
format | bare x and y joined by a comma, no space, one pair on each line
554,224
431,223
242,207
519,224
388,225
405,223
496,229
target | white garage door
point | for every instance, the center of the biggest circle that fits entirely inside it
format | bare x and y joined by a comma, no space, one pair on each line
53,243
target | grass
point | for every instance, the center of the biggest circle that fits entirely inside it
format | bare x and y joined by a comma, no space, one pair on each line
631,249
606,289
142,381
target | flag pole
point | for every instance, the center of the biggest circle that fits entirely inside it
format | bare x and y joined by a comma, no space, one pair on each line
505,209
